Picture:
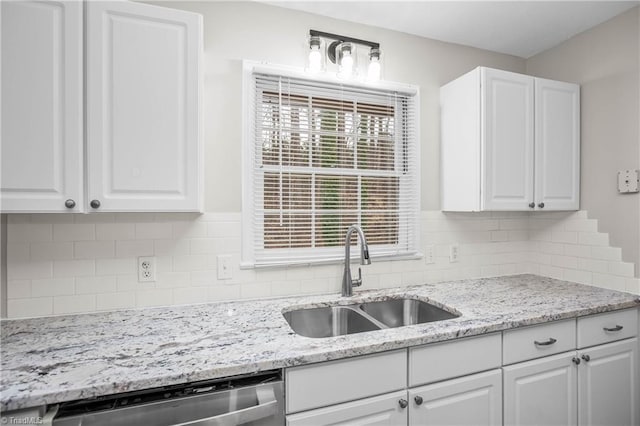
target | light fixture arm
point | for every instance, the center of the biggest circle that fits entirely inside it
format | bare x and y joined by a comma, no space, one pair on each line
331,50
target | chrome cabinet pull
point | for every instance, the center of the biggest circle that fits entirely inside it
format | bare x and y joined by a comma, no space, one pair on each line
418,399
575,360
551,341
94,204
616,328
403,403
69,203
541,205
586,358
532,205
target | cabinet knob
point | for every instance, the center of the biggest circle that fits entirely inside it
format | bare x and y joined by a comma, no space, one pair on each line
69,203
403,403
418,399
532,205
541,205
576,360
586,358
94,204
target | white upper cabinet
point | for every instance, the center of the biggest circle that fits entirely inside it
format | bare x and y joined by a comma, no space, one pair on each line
557,145
41,146
509,142
142,108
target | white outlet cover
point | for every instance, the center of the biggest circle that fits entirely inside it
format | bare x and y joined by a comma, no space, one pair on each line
454,253
146,269
429,255
628,181
224,267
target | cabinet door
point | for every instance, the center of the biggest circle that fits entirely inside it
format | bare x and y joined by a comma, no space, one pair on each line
41,151
380,410
507,140
143,115
541,392
608,385
557,145
471,400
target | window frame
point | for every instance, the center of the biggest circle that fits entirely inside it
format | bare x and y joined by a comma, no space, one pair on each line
327,255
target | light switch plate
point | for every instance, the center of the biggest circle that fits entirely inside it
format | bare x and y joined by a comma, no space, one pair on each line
224,267
628,181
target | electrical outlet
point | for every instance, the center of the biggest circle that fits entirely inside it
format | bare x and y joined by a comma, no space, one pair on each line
453,253
146,269
428,255
224,267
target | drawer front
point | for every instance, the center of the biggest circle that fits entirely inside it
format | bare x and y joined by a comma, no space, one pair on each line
609,327
441,361
538,341
333,382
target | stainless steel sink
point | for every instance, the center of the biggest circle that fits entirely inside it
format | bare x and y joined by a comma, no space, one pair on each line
328,322
399,312
349,319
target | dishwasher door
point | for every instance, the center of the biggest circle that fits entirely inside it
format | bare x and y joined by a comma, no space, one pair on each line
251,406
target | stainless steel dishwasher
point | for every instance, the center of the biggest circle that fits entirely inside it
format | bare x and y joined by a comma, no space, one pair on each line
250,400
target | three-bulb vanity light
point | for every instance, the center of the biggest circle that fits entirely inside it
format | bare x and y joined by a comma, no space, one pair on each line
342,51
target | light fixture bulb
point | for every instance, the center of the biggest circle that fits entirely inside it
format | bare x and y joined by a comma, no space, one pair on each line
346,61
373,73
315,57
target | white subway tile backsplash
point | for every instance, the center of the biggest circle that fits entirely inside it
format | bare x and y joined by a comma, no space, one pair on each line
96,285
18,289
134,248
31,307
90,261
74,268
74,304
29,232
94,249
74,232
115,231
53,287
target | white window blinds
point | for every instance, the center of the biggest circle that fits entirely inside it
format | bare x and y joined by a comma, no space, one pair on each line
324,156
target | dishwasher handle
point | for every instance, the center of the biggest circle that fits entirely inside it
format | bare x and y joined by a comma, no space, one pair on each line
267,407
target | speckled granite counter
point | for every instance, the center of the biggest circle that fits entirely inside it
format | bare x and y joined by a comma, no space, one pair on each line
49,360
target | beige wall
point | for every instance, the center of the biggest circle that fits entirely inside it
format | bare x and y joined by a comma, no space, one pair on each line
604,61
239,30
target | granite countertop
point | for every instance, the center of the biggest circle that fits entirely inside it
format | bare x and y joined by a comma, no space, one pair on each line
63,358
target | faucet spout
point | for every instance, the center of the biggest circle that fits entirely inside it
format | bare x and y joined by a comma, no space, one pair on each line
347,281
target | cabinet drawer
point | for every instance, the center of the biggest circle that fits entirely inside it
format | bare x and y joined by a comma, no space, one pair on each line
440,361
538,341
333,382
604,328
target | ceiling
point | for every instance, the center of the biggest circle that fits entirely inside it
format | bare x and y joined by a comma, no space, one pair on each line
520,28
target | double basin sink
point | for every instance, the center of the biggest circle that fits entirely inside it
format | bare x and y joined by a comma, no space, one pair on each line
332,321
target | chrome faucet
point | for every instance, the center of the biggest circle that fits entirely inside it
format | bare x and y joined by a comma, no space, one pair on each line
347,282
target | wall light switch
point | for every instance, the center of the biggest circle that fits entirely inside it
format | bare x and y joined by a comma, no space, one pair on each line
224,267
628,181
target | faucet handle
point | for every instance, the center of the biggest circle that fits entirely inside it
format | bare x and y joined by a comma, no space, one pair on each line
358,281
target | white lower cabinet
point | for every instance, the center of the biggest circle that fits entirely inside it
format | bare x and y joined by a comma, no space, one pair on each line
541,392
380,410
474,400
608,388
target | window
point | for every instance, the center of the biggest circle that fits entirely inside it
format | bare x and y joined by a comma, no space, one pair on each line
323,156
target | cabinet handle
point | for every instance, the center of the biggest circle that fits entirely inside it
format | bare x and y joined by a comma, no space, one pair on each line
69,203
403,403
418,399
586,358
551,341
532,205
576,360
541,205
616,328
94,204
